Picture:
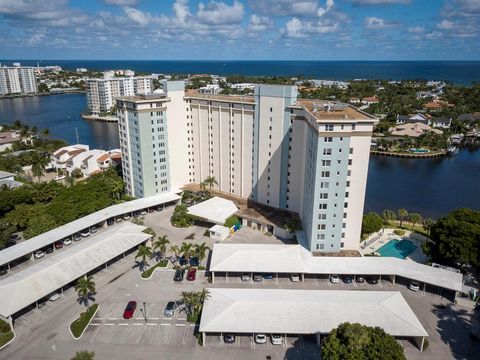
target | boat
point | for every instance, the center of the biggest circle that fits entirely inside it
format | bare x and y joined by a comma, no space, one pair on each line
456,139
452,151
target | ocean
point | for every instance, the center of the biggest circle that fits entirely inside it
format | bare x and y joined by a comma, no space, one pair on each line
457,72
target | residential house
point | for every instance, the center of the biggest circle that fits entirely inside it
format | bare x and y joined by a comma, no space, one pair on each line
412,130
62,156
441,122
412,118
369,100
436,105
93,161
424,94
7,180
7,138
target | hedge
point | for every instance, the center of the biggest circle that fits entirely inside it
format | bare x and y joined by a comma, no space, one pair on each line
147,274
78,326
399,232
6,333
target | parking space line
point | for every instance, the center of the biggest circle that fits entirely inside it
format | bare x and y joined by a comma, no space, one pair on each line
111,335
154,333
126,332
92,339
108,312
182,319
169,337
140,335
184,339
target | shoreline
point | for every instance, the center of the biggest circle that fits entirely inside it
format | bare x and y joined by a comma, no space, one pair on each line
431,155
42,94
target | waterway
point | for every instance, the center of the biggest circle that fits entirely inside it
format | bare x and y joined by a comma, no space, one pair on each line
431,187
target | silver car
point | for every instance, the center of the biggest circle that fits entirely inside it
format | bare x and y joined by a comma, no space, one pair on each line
170,309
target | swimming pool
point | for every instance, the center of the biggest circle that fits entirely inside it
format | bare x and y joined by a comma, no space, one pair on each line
397,248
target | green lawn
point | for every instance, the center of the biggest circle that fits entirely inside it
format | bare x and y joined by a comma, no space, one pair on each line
407,226
5,338
148,273
193,318
81,323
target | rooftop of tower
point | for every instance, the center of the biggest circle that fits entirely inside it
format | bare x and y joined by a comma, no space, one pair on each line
333,110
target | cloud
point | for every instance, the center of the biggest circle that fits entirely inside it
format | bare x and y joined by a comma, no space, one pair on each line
259,23
34,9
416,30
296,28
220,13
137,16
122,2
375,23
284,7
380,2
445,25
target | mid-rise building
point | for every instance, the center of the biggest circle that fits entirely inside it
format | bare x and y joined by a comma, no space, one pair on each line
101,93
306,156
17,80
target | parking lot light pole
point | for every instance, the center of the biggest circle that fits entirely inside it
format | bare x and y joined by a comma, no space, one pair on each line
145,311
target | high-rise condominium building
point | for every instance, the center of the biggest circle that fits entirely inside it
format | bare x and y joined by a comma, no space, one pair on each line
306,156
101,93
17,80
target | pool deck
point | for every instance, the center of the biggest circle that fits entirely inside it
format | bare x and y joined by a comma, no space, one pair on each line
377,240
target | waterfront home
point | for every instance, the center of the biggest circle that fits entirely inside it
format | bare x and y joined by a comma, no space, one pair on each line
65,154
436,105
354,100
7,180
7,138
424,94
412,130
369,100
441,122
93,161
412,119
470,119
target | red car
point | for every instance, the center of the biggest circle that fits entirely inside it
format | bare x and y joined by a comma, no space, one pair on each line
130,310
191,274
58,245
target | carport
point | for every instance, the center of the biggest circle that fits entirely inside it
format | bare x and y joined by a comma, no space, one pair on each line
306,312
58,270
215,210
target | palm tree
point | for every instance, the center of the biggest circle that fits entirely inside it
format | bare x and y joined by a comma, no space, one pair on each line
415,218
46,133
70,180
161,245
210,181
175,250
388,215
39,163
143,252
402,214
84,288
203,186
200,251
186,250
77,173
427,224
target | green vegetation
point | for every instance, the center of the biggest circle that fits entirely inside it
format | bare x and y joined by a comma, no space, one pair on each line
399,232
161,245
144,252
231,221
84,355
402,214
79,325
193,301
148,273
180,217
6,333
37,208
293,224
456,239
210,181
85,288
355,341
372,222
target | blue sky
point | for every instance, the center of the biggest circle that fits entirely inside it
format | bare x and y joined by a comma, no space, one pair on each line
240,29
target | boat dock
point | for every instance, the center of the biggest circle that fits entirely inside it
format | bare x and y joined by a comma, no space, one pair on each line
406,155
99,118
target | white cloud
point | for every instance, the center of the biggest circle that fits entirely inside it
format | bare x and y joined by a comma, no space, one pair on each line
220,13
375,23
445,25
122,2
181,10
284,7
296,28
380,2
137,16
34,9
328,7
259,23
416,30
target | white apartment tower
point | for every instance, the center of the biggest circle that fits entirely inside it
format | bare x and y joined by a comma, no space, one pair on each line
306,156
17,80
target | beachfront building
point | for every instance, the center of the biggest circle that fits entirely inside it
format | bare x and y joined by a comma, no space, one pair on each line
305,156
101,93
17,80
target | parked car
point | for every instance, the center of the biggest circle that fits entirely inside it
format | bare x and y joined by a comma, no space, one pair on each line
295,277
67,242
3,270
414,286
268,276
191,274
183,261
49,250
38,254
194,261
110,222
229,338
179,273
359,279
58,245
77,237
260,338
93,229
347,279
130,310
277,339
257,277
245,277
143,212
170,309
118,219
85,233
334,279
372,280
59,177
126,217
53,296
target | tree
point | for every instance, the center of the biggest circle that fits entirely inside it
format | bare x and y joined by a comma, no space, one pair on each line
84,355
46,133
194,300
77,173
389,215
372,222
39,164
415,218
85,287
402,214
427,224
356,341
181,218
292,225
175,250
144,252
203,186
200,251
186,250
456,238
161,245
210,181
69,180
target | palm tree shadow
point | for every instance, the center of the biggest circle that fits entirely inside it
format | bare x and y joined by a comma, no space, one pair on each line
90,299
139,265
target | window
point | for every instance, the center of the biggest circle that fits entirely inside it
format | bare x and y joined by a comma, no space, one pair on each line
328,139
353,127
328,127
349,161
327,151
321,226
322,246
324,185
326,162
351,150
322,216
341,244
324,196
325,174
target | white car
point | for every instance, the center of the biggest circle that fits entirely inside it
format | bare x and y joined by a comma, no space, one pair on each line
143,212
38,254
59,177
126,217
93,229
414,286
85,233
53,297
277,339
260,338
334,279
295,277
245,277
67,242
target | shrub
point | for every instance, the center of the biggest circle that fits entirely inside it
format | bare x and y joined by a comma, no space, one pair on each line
180,217
399,232
6,333
148,273
426,344
372,222
231,221
82,321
